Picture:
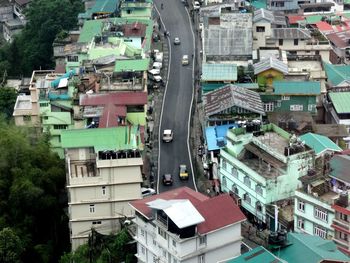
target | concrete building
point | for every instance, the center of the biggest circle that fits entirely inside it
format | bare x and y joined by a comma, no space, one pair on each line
103,175
340,43
136,9
184,226
11,28
260,167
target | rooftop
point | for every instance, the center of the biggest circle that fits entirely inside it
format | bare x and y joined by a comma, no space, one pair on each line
219,72
218,212
314,248
340,101
297,87
340,167
319,143
216,136
337,75
270,63
230,95
256,255
131,65
101,7
340,39
331,130
23,102
273,18
290,33
116,138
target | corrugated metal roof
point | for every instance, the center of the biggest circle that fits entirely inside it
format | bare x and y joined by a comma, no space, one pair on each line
319,143
297,87
218,212
116,138
340,101
219,72
337,74
340,167
263,14
119,98
131,65
256,255
214,133
135,29
340,39
270,63
290,33
230,95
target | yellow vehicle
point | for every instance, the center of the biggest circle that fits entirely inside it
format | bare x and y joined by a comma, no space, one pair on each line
183,172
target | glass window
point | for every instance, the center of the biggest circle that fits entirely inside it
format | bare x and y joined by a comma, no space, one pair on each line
258,206
234,172
343,217
202,240
103,190
247,198
92,209
320,231
296,42
224,181
258,189
224,163
247,181
301,223
321,214
301,206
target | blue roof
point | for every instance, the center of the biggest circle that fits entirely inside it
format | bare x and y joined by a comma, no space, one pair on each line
256,255
297,87
311,248
319,143
215,134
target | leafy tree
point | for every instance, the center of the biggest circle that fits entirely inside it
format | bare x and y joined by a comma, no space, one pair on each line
7,101
10,246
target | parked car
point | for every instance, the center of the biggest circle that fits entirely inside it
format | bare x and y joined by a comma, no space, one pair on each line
177,41
154,71
196,5
147,191
167,179
183,173
185,60
158,57
155,78
157,65
167,135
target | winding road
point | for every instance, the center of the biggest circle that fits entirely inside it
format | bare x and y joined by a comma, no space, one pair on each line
178,95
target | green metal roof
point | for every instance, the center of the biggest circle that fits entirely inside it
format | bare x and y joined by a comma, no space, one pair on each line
340,165
131,64
313,19
319,143
207,87
256,255
116,138
248,85
340,101
297,87
308,248
219,72
337,74
259,4
102,7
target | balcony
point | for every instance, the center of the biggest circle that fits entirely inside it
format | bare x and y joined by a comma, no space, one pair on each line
118,158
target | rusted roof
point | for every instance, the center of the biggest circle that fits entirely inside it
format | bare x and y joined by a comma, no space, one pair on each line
218,212
135,29
340,39
229,96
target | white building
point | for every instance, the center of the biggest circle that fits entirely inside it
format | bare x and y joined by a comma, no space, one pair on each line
101,182
182,225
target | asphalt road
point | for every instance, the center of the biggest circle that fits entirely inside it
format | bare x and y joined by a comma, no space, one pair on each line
178,96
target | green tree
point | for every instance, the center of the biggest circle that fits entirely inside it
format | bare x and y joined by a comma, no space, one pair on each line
10,246
7,101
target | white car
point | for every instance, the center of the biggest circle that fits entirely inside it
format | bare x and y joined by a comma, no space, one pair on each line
185,60
167,135
196,5
157,78
154,71
157,65
177,41
147,192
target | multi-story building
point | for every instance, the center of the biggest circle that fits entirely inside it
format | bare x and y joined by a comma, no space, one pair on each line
260,166
182,225
136,9
294,6
98,9
340,42
103,175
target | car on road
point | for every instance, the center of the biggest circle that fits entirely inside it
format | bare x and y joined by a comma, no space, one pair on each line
154,71
167,135
157,65
177,41
183,173
196,5
147,191
185,60
167,179
155,78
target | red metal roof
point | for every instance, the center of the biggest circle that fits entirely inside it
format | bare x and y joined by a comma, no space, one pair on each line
119,98
324,26
295,19
341,209
218,212
110,115
340,39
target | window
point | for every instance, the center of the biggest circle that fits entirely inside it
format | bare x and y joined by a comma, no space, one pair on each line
201,259
44,104
162,233
72,58
296,42
92,209
224,181
296,107
247,198
247,181
142,249
234,172
202,240
301,224
174,243
280,42
268,107
320,231
311,107
258,189
142,232
285,98
224,163
301,206
155,259
343,236
260,29
103,190
45,117
174,260
96,222
154,242
27,118
321,214
258,206
60,127
343,217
